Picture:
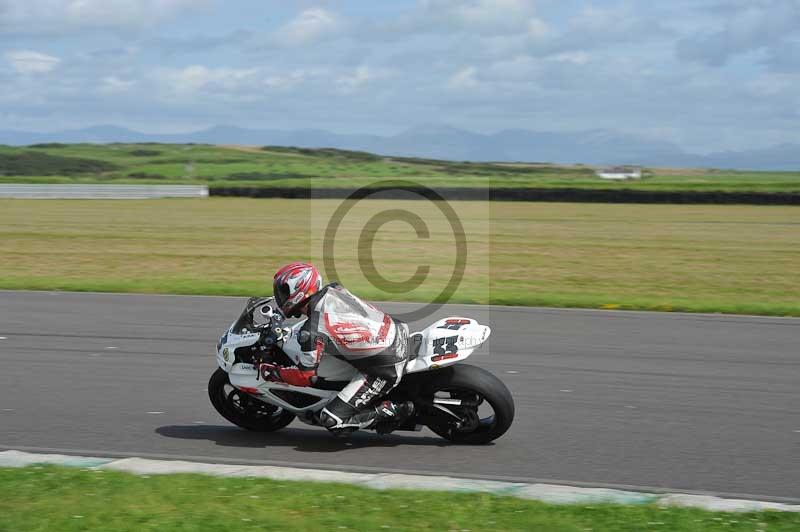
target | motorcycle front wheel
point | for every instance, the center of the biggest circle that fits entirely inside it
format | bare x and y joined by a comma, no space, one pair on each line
486,407
243,410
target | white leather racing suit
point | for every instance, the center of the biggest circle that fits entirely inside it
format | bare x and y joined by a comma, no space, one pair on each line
342,326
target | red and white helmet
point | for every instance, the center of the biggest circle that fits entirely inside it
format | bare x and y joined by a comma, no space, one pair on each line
293,284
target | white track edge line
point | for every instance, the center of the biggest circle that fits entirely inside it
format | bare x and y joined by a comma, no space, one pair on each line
549,493
349,468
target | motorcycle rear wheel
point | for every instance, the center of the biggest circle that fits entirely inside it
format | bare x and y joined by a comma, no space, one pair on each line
243,410
474,384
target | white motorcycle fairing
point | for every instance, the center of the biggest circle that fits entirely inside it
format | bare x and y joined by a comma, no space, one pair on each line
446,342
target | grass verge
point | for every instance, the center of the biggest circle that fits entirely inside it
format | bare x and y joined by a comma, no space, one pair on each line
696,258
44,498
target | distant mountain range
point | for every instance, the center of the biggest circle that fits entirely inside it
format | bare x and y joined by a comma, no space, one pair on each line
595,147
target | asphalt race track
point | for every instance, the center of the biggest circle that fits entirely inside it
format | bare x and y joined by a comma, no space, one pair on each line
678,401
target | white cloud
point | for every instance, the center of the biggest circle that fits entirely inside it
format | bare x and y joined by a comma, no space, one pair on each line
472,17
54,16
490,17
771,85
509,28
309,26
492,64
360,77
593,19
464,79
197,78
30,62
113,84
493,14
521,72
116,13
576,58
538,29
594,28
286,81
746,27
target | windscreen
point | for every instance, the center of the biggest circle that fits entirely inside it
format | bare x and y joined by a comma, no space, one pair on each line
254,315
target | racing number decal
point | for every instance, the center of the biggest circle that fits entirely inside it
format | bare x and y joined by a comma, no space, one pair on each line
445,348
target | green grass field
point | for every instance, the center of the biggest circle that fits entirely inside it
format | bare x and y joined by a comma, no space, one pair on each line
734,259
52,498
327,168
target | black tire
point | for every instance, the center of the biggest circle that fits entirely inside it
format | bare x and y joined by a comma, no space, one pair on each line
243,410
463,378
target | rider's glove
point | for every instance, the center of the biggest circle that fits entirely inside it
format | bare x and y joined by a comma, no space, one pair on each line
293,375
296,376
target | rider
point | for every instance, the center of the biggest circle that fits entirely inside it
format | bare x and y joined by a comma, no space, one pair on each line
341,325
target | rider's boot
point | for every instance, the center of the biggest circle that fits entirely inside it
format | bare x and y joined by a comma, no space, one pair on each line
390,415
384,417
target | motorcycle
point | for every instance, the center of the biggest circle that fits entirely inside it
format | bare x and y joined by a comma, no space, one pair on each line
459,402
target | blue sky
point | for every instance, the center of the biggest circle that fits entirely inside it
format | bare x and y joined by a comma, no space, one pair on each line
705,74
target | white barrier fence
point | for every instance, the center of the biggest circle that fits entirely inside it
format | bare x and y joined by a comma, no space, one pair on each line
102,191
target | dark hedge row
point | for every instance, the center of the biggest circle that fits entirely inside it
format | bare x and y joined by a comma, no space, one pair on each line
575,195
38,163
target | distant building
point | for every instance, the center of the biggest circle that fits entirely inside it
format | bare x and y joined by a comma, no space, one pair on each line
621,172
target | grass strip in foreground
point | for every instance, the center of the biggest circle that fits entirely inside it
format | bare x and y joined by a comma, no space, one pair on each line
65,499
